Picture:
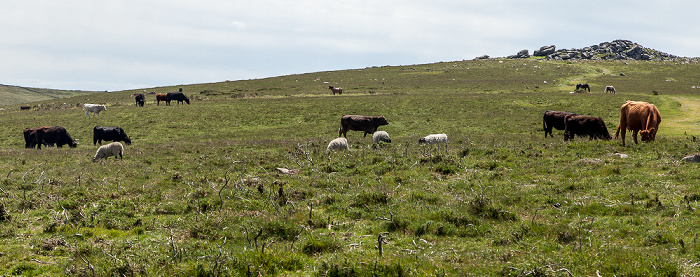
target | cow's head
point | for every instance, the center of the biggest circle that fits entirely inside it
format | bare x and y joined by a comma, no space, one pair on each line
647,135
187,100
381,121
127,140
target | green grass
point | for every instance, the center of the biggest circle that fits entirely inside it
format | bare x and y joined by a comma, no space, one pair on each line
198,192
14,95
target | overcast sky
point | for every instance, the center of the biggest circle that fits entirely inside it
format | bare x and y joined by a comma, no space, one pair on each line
129,44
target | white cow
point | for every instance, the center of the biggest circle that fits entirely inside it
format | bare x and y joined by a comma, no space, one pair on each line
94,109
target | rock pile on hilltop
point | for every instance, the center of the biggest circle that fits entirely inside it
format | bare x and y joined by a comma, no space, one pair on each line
616,50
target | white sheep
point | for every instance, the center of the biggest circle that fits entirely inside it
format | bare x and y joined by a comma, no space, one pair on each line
338,144
113,149
379,136
433,138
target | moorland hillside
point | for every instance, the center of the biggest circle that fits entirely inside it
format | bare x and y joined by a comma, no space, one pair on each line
239,182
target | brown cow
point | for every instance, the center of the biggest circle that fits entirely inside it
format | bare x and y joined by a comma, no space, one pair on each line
30,137
48,136
583,125
639,117
161,97
553,119
368,124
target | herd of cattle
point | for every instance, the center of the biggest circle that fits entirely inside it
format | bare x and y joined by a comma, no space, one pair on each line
638,117
165,97
58,136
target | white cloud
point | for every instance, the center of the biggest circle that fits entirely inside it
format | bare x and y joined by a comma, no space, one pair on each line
110,45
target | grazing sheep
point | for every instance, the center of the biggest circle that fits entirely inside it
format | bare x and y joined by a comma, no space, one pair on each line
379,136
108,150
338,144
434,138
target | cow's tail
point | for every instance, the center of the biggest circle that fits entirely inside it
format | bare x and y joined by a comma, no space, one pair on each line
544,123
623,122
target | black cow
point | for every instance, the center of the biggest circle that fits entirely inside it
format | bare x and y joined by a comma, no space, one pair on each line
179,96
48,136
109,134
368,124
553,119
583,125
140,99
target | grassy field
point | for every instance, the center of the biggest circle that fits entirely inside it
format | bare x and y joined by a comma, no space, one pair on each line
198,192
14,95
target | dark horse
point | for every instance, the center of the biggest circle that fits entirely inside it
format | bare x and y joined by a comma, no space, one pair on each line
583,86
336,90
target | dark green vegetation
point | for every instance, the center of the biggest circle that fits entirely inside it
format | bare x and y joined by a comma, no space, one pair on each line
14,95
198,192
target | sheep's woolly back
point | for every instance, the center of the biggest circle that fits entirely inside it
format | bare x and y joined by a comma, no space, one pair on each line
115,149
434,138
338,144
379,136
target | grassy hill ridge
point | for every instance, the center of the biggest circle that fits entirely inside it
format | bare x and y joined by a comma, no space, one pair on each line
16,95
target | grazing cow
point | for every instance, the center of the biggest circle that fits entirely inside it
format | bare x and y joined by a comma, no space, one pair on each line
25,107
30,137
109,134
610,89
554,119
94,109
639,117
583,86
140,99
335,90
583,125
48,136
162,97
178,96
368,124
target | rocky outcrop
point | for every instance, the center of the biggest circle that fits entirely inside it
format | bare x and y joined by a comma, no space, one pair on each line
523,54
545,51
615,50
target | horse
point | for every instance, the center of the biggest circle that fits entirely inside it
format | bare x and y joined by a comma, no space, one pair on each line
583,86
610,89
336,90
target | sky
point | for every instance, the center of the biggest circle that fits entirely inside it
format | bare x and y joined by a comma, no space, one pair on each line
112,45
